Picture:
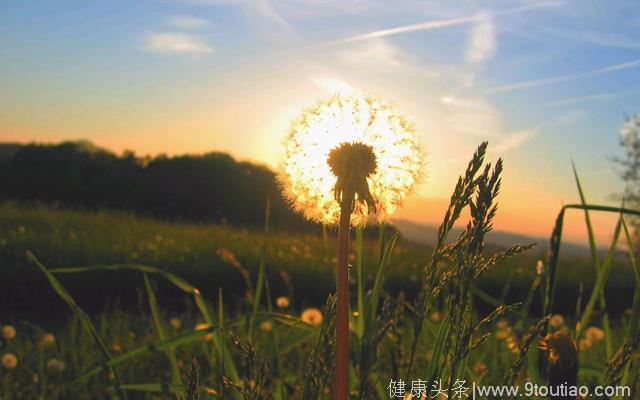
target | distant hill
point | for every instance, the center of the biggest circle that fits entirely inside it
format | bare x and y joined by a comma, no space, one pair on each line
426,234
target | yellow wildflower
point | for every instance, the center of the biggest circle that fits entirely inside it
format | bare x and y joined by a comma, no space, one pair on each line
9,360
312,316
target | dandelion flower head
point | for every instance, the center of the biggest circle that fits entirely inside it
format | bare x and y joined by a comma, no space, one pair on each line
282,302
556,321
8,332
308,181
311,316
48,339
594,334
9,360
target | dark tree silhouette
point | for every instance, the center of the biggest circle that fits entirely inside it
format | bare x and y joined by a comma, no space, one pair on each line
212,187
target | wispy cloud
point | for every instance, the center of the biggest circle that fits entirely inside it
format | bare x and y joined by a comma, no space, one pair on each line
380,55
592,97
445,23
424,26
261,8
188,22
513,140
269,11
595,38
481,43
471,116
563,78
565,119
176,43
476,116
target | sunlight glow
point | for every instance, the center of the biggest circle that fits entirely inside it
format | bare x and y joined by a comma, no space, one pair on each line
306,178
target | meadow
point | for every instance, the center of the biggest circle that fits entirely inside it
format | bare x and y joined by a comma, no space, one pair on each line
109,304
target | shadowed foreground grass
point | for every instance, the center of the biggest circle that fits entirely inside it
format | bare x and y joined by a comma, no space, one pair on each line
217,256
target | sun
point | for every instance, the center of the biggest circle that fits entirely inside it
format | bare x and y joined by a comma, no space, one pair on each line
307,179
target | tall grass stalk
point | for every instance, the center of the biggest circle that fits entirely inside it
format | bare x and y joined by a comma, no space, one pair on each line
431,286
261,267
596,263
82,316
218,344
161,331
360,281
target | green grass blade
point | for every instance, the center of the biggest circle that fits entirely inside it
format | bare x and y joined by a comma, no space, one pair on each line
79,312
325,244
550,281
632,256
162,388
220,339
230,367
434,369
275,341
535,283
634,320
160,329
360,281
587,220
487,298
579,300
598,287
506,287
596,207
554,250
261,267
374,296
158,346
596,263
382,239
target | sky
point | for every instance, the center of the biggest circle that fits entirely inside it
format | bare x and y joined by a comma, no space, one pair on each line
545,82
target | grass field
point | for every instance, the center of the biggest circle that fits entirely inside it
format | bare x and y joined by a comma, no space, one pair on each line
224,263
214,256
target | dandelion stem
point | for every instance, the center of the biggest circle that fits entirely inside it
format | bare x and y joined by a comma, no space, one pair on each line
342,303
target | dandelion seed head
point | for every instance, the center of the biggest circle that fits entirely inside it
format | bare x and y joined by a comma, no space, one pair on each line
393,167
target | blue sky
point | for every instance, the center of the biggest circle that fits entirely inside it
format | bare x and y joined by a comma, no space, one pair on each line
544,81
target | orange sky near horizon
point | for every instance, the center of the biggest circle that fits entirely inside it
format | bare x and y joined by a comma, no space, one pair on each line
538,223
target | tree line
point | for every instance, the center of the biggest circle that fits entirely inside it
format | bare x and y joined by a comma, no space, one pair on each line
211,187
